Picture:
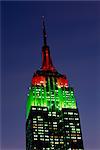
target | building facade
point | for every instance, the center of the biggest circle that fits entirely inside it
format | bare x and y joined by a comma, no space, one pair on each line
52,117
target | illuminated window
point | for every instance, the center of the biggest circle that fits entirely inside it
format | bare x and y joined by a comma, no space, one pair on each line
71,123
61,142
39,108
40,124
40,130
77,129
73,128
55,128
38,116
75,113
56,139
73,137
73,131
56,142
47,136
46,139
45,109
51,139
42,139
68,137
33,108
71,118
40,119
54,122
76,118
53,112
74,140
46,130
45,125
66,118
40,127
67,126
60,121
54,125
41,135
35,135
65,112
70,113
34,121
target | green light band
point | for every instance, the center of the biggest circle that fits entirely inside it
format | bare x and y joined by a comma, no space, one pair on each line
59,97
49,92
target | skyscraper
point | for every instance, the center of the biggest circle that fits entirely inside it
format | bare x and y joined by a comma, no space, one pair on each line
52,117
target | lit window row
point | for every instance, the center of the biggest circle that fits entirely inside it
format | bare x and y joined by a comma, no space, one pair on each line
34,121
73,137
33,108
71,118
75,113
46,148
40,119
56,139
76,118
73,131
41,135
40,127
45,125
35,135
67,126
70,113
61,142
71,123
54,125
77,129
54,122
66,118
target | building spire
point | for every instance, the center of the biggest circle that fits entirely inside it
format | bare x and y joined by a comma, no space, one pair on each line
46,58
44,32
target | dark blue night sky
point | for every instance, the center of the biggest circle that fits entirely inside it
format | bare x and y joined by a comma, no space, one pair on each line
73,30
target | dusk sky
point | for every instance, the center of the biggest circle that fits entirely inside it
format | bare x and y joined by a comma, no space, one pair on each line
73,30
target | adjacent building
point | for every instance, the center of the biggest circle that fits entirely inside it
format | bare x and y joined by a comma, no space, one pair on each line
52,117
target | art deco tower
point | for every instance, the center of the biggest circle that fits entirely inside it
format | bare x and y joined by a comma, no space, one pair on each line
52,117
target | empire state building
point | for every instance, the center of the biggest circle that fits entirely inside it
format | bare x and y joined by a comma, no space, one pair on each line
52,116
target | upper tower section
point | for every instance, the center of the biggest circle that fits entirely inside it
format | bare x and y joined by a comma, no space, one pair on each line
46,58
